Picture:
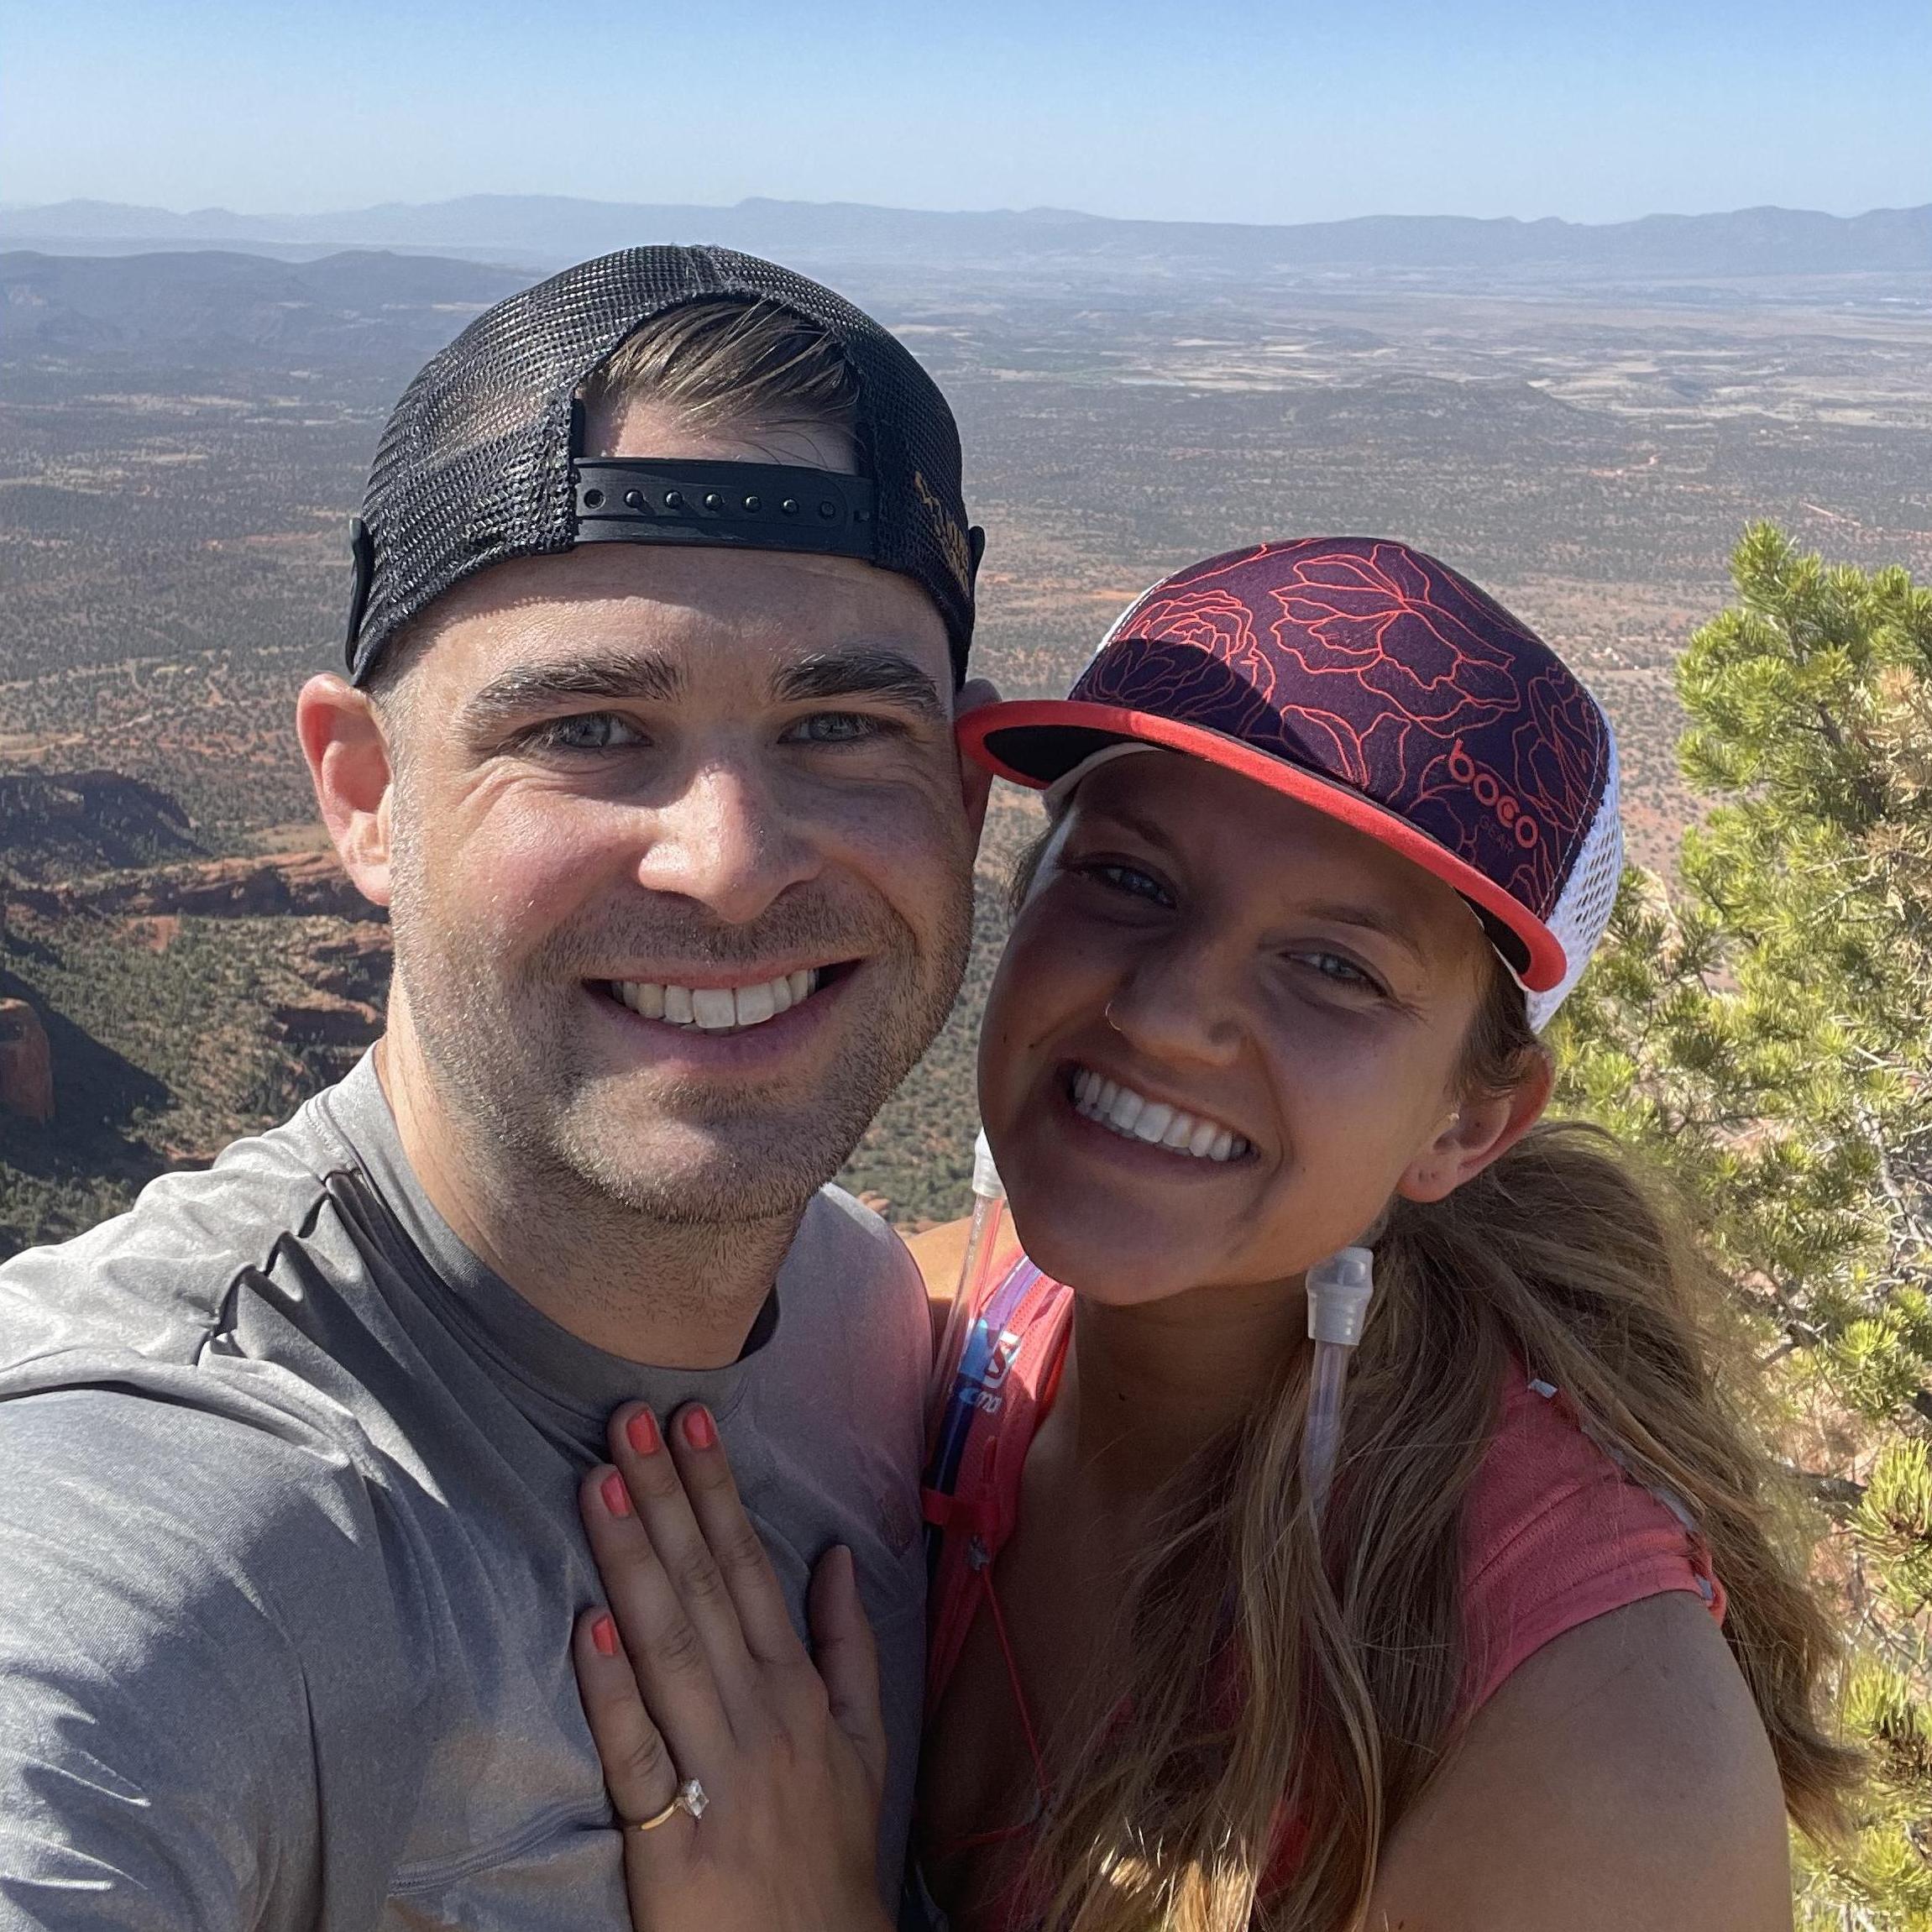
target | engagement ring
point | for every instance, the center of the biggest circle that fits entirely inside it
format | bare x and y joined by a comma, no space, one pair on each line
690,1797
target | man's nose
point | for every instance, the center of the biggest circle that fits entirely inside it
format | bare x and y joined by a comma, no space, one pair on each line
724,843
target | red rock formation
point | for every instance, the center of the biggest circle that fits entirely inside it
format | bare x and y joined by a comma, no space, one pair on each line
302,882
26,1067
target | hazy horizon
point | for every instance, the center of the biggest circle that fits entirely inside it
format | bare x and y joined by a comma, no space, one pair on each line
272,211
1240,112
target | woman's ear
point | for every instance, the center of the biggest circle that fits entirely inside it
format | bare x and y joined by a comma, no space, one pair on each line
348,761
1481,1130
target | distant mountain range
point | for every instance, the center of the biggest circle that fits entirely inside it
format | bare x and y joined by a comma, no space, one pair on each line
543,230
210,309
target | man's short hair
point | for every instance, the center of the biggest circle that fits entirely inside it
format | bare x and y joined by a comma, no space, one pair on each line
728,362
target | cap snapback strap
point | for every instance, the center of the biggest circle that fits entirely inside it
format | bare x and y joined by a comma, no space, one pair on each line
750,506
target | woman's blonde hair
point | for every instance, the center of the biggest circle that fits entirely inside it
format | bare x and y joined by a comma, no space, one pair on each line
1277,1675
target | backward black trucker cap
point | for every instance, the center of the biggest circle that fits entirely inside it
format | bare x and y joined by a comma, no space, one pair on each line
478,463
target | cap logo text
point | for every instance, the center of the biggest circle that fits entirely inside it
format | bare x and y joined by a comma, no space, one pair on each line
1462,769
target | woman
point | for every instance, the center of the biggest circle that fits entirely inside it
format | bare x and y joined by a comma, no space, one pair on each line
1331,835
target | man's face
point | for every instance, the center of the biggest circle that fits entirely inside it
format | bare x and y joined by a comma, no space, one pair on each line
681,868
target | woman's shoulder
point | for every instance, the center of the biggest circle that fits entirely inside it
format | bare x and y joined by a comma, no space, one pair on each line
1620,1777
1557,1532
939,1252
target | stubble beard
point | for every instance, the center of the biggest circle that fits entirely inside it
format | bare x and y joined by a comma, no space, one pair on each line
505,1048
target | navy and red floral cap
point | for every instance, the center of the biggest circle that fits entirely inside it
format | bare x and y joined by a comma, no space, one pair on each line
1378,685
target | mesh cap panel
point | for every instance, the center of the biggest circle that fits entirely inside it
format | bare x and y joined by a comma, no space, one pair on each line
474,467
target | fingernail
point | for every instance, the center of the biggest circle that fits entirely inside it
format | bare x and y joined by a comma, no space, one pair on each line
616,1497
700,1432
603,1635
643,1430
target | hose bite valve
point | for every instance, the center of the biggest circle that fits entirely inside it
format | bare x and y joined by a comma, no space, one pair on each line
1338,1290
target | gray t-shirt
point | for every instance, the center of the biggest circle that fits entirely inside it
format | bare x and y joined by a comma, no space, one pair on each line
289,1553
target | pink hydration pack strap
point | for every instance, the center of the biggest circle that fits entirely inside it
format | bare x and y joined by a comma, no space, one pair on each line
988,1402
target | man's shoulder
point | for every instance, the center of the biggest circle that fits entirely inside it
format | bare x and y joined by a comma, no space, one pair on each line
855,1271
155,1279
839,1228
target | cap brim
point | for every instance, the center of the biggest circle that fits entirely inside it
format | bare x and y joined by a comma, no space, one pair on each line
1034,741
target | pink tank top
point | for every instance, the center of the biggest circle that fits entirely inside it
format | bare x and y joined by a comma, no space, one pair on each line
1554,1532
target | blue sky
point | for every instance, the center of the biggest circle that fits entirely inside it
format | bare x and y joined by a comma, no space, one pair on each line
1197,109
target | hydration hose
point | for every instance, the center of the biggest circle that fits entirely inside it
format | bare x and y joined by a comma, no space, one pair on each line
1338,1291
983,1248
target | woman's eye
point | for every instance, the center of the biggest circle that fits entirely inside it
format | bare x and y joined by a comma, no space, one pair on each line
833,728
1342,970
1123,878
594,731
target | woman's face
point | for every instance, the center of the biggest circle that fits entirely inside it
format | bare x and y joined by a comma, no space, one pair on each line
1197,945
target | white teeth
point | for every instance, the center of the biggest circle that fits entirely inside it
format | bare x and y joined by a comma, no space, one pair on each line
1135,1116
713,1007
717,1009
754,1005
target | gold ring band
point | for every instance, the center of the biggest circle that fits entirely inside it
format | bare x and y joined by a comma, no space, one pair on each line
688,1796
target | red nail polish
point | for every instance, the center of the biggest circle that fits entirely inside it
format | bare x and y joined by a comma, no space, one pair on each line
616,1497
603,1635
642,1431
700,1432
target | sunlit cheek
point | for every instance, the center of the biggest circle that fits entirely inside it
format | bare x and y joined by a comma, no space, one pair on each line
1044,989
528,862
906,847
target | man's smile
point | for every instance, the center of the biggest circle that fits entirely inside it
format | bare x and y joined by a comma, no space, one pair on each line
718,1008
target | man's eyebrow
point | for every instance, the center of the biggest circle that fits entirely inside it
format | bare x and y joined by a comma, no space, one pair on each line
528,688
872,672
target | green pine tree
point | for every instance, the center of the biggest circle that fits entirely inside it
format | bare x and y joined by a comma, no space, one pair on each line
1762,1027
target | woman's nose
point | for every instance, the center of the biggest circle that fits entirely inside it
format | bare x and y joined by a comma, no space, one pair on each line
1177,1004
724,843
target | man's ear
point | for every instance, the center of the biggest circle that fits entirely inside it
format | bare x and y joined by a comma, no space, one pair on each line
1479,1131
350,765
975,782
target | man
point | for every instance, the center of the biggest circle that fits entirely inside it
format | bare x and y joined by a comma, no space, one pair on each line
664,595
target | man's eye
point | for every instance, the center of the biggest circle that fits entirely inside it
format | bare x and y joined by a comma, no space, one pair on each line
592,731
833,728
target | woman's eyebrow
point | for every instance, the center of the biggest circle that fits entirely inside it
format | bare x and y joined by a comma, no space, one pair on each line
1130,821
1374,919
870,672
527,687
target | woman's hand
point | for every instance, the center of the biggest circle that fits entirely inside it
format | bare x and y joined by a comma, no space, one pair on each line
695,1672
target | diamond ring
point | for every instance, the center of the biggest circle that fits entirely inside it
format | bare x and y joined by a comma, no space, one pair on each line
690,1797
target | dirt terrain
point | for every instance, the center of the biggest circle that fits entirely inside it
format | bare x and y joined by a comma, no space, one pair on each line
173,501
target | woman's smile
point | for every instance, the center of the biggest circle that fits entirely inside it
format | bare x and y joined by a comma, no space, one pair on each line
1133,1116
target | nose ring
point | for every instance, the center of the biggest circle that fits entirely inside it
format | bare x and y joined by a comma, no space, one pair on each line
1106,1014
